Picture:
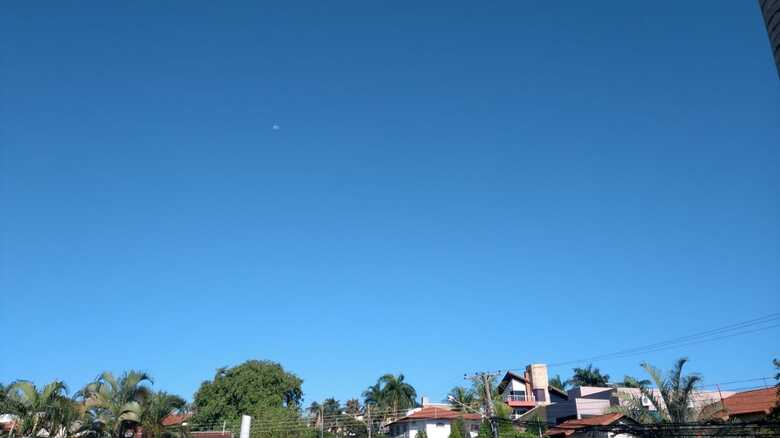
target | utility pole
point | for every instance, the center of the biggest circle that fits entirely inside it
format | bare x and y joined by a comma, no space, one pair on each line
485,379
322,423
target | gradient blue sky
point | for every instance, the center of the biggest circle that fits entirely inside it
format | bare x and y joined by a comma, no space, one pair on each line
455,186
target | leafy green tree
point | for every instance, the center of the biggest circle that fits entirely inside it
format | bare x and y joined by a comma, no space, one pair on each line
246,389
589,376
351,427
154,410
485,431
114,405
421,434
559,383
396,393
460,398
457,428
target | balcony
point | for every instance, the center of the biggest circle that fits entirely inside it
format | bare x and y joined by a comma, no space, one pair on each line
519,399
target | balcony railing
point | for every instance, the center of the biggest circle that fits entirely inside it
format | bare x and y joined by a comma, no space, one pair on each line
520,397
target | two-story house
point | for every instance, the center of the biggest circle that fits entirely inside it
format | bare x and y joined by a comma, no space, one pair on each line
527,390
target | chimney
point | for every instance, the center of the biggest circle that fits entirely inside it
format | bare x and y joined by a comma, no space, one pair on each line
424,401
537,374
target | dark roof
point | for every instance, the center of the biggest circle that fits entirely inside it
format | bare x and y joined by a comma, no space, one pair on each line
569,427
437,413
513,375
560,392
507,378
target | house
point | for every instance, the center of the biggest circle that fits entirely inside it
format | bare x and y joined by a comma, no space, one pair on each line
176,419
522,392
602,426
7,423
181,419
748,406
590,401
435,420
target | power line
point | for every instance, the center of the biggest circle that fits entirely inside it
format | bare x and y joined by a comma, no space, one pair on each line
736,329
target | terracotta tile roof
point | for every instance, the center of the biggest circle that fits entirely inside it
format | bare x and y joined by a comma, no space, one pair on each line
6,427
435,413
751,402
569,427
176,419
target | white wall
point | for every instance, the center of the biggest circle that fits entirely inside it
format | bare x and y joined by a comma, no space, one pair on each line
435,428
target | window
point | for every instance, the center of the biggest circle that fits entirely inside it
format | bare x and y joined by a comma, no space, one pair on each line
475,427
440,424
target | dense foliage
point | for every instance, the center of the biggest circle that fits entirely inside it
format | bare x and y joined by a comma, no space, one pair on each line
250,388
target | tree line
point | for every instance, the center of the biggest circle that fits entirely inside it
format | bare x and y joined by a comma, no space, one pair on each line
126,406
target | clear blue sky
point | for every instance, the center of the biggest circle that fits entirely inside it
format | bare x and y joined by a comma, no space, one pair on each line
453,187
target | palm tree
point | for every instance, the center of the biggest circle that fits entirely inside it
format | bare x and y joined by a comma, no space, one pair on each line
47,408
331,407
315,411
396,393
589,376
633,382
373,395
559,383
116,405
155,409
461,398
672,399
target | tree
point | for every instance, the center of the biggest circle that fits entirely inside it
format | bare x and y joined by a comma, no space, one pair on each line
457,428
775,414
396,393
331,409
155,409
589,376
353,407
460,398
373,395
633,382
421,434
246,389
115,405
315,411
672,398
559,383
485,431
45,409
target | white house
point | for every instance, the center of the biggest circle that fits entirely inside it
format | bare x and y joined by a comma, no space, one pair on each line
435,420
